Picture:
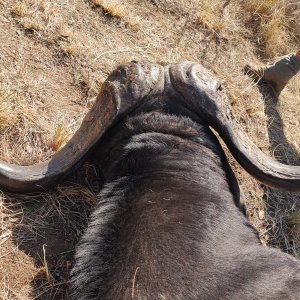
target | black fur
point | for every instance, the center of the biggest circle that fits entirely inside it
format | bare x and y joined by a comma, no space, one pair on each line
168,225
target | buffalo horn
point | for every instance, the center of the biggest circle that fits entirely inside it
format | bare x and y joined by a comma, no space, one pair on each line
124,89
202,94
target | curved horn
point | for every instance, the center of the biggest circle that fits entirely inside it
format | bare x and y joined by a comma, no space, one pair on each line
124,89
201,92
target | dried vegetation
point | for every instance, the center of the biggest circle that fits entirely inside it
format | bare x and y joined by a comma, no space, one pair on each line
54,56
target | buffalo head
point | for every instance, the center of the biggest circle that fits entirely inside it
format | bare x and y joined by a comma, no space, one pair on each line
166,225
187,86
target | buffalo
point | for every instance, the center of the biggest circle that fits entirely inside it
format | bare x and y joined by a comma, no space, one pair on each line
169,223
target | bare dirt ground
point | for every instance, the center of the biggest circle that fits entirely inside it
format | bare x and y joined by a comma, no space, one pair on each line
54,56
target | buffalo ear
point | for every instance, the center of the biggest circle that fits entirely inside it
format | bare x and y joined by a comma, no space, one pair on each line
123,90
202,94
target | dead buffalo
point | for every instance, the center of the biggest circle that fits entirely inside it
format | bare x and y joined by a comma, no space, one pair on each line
168,224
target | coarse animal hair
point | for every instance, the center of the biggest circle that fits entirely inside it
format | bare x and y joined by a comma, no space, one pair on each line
167,225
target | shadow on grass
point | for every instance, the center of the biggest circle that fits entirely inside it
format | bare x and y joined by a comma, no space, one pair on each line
51,227
279,204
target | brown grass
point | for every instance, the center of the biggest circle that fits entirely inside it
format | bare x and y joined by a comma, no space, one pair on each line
60,137
54,57
273,24
209,16
116,9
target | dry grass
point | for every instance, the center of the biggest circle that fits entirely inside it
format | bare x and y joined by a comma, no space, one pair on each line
210,16
54,57
24,115
111,8
273,24
116,9
42,247
61,135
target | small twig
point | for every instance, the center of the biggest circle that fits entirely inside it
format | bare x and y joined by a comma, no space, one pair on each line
9,252
46,291
45,263
133,282
119,51
5,237
9,53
